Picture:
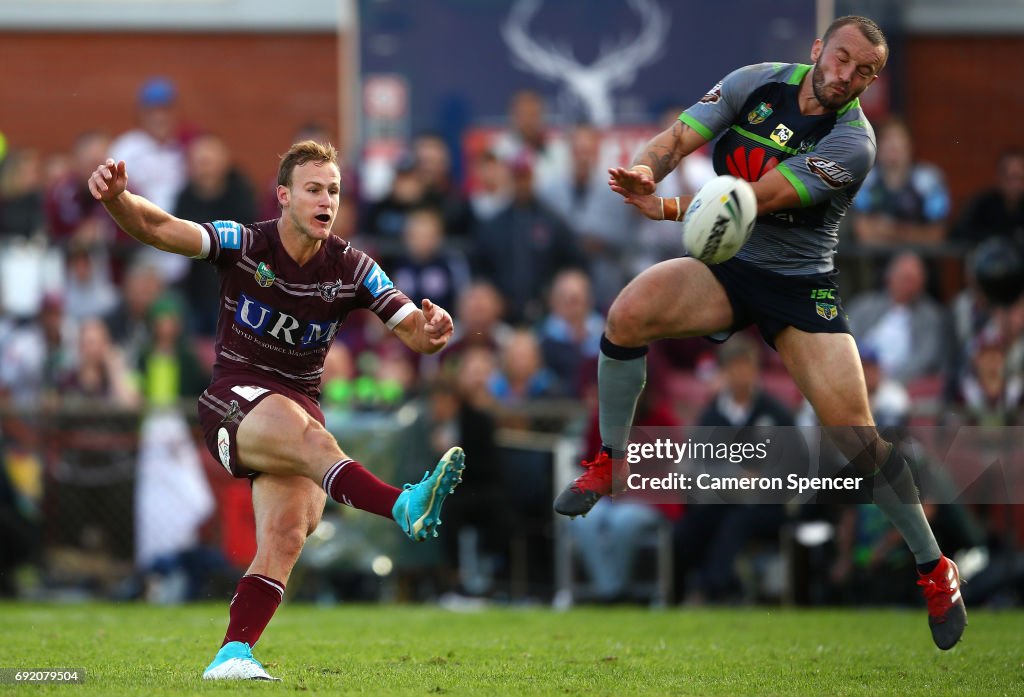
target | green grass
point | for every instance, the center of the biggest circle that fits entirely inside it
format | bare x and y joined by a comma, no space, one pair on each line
138,649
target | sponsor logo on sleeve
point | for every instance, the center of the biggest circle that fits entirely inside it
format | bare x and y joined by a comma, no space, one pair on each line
713,95
229,233
377,282
834,175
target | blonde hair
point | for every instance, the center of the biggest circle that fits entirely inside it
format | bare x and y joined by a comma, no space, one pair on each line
301,153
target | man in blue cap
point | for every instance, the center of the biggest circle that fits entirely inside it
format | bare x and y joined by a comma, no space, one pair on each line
157,157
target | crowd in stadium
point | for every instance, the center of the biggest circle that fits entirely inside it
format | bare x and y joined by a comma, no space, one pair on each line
526,252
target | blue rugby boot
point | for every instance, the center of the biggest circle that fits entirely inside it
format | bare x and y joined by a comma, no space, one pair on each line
418,508
234,661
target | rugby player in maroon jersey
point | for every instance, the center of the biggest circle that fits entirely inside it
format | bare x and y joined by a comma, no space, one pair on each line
286,287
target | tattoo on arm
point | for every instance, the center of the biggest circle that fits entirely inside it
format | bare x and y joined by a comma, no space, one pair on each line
664,152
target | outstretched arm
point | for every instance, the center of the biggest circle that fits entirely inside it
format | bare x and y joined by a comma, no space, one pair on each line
660,156
143,220
427,330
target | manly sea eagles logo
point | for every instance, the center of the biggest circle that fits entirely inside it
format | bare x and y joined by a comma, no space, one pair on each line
329,291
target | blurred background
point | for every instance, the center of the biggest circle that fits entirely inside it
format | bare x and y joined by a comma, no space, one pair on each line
475,137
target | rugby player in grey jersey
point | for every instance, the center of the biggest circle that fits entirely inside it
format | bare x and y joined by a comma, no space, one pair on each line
797,134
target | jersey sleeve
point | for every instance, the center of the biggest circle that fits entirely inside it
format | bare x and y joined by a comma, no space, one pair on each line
224,243
841,161
717,109
377,293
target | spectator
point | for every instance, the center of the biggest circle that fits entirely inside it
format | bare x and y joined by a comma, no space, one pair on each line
528,136
129,322
99,375
427,267
434,165
593,212
386,218
991,390
169,370
21,197
215,190
88,288
998,210
36,354
570,335
478,322
902,201
493,192
906,328
460,413
710,536
71,211
522,376
157,156
522,248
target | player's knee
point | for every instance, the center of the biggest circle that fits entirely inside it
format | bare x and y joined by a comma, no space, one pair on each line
318,445
284,539
625,325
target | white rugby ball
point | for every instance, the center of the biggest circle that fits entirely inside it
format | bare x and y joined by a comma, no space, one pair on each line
720,219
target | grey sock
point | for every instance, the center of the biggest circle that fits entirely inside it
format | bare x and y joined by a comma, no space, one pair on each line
620,383
896,495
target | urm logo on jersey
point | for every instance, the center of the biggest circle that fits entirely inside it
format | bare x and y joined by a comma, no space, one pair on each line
263,319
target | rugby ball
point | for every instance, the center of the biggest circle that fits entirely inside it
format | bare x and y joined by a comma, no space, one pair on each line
720,219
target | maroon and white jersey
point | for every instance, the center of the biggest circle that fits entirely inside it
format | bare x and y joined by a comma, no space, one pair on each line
277,319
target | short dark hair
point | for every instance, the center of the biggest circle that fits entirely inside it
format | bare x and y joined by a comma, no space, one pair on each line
867,27
300,154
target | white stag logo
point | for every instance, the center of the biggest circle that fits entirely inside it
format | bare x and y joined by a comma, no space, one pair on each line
615,66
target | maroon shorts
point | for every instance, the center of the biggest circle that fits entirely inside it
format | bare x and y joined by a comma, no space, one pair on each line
226,402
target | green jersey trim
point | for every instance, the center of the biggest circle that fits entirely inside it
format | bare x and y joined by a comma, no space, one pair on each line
697,126
764,141
801,188
849,105
798,74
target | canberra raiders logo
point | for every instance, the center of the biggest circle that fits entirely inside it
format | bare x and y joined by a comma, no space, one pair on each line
329,291
264,276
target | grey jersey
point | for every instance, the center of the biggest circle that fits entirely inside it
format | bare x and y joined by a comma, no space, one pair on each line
756,113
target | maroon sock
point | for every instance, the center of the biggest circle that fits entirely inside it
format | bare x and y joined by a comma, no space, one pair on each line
255,601
350,483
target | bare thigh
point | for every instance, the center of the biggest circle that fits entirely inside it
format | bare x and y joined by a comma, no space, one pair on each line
279,437
828,371
676,298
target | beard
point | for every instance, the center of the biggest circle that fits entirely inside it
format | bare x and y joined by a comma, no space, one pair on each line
820,88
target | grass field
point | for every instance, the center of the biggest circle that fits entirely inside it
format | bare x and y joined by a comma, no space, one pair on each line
392,650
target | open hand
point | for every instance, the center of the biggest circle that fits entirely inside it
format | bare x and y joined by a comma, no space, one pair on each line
108,181
631,181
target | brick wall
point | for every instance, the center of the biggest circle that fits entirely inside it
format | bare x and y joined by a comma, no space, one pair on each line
965,103
252,89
